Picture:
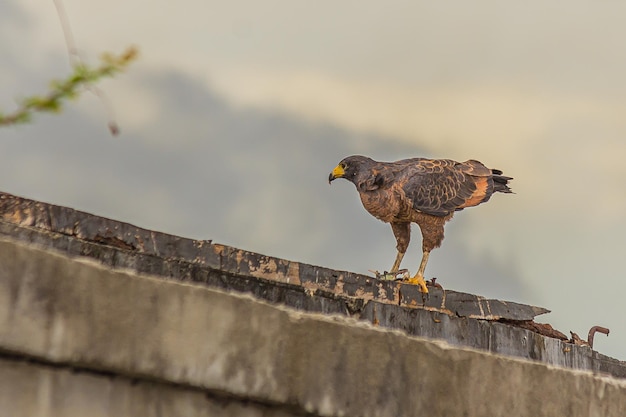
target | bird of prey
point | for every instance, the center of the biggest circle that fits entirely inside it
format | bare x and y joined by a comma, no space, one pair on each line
422,191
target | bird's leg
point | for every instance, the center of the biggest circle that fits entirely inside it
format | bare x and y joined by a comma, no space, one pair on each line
402,233
396,264
418,279
394,272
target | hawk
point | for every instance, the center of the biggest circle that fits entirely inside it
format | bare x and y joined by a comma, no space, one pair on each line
422,191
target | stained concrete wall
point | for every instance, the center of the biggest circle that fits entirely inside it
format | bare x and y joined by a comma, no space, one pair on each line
461,319
35,389
80,339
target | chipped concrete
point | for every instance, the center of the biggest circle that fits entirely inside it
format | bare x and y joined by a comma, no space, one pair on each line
170,348
461,319
53,221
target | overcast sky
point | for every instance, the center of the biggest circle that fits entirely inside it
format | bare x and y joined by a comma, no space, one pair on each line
237,111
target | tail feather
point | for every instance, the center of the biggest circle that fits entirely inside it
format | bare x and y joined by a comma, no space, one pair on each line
500,182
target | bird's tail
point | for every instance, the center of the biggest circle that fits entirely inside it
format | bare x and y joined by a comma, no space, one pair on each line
500,182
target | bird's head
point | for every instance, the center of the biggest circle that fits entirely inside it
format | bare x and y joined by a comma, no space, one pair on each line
352,168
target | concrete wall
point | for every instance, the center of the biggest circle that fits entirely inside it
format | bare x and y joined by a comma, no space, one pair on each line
461,319
79,339
32,389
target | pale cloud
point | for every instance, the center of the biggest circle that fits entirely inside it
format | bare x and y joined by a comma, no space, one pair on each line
460,119
514,127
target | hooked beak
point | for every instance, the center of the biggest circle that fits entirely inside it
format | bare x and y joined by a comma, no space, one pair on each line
338,172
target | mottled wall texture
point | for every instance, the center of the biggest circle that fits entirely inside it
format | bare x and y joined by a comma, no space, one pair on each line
101,318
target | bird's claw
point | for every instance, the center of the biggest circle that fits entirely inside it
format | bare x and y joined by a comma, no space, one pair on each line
401,274
419,281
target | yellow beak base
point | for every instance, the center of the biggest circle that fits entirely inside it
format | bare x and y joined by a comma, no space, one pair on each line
338,172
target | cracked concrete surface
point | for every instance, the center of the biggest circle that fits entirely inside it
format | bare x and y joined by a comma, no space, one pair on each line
75,326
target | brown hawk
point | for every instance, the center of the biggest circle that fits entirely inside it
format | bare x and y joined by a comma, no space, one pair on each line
422,191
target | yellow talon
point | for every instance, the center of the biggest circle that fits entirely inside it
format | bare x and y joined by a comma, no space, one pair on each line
418,280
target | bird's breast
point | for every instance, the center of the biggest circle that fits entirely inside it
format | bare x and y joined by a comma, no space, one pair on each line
382,204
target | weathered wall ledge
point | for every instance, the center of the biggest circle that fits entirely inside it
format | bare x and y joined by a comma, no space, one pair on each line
461,319
185,345
58,222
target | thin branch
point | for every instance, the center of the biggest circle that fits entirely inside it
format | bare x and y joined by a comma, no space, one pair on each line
72,51
83,78
75,59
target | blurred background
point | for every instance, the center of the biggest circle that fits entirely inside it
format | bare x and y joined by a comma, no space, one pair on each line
237,111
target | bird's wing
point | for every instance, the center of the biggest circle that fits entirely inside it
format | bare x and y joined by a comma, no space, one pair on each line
441,186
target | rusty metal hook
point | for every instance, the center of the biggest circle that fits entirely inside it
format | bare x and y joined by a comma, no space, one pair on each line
593,331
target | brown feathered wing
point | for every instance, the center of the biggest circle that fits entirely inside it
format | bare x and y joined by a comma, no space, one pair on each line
440,187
